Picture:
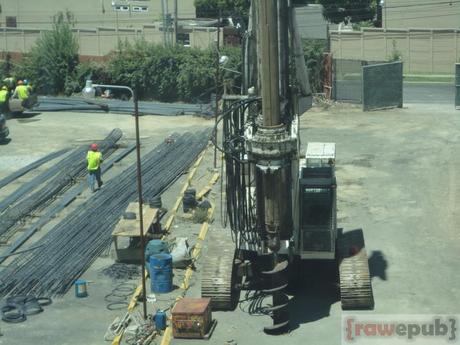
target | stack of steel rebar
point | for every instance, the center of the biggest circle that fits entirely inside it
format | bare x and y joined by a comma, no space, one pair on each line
64,172
72,245
21,172
121,107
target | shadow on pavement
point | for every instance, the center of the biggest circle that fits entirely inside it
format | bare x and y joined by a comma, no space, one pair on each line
314,285
378,265
26,115
313,289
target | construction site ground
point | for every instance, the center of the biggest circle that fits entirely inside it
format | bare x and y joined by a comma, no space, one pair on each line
398,180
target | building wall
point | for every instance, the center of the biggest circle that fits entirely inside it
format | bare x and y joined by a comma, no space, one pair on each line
91,13
311,22
433,14
100,41
421,50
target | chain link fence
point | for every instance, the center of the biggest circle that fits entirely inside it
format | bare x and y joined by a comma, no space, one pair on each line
348,79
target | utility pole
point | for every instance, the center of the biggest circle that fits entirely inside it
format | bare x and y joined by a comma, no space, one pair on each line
163,17
175,22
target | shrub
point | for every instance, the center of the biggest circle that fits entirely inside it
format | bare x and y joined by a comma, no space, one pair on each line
314,50
167,73
52,61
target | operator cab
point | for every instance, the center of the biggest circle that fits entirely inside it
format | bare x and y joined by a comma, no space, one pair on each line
318,199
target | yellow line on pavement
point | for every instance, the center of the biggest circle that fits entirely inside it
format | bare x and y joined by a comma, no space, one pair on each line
190,176
166,339
133,301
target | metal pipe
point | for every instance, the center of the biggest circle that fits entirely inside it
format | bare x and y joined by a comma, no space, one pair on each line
217,87
139,191
139,185
175,22
268,49
283,49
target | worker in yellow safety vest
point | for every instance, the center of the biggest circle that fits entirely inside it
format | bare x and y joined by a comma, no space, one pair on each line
21,92
94,160
4,93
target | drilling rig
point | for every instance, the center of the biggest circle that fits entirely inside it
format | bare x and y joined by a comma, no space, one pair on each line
280,200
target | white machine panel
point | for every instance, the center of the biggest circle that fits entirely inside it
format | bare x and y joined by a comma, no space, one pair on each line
320,154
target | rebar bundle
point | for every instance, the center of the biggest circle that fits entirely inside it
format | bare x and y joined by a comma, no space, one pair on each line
121,107
31,166
73,244
67,171
65,199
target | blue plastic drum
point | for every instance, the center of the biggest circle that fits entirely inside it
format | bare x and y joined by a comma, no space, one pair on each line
81,289
160,267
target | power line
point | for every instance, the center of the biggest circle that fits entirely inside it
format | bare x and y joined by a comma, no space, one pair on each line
425,4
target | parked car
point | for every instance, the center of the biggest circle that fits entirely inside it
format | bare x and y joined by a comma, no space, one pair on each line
4,131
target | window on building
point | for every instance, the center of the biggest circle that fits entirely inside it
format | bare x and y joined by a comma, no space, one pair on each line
140,9
184,39
121,8
11,22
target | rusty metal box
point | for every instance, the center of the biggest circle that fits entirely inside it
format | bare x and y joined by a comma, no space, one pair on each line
191,318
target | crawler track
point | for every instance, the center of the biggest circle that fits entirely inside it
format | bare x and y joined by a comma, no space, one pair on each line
218,276
355,280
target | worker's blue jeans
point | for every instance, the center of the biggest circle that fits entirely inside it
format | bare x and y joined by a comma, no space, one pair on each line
93,176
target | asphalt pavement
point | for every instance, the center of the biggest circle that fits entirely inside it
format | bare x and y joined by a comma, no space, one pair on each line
443,93
350,91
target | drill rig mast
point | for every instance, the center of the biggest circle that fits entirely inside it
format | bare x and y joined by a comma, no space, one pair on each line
278,206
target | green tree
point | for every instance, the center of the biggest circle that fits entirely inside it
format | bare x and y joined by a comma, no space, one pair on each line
211,8
337,11
314,50
167,73
51,63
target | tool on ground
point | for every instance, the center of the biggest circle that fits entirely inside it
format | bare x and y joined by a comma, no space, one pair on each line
281,203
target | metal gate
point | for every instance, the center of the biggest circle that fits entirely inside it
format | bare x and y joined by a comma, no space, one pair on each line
383,86
347,80
457,86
